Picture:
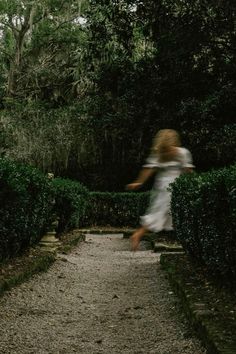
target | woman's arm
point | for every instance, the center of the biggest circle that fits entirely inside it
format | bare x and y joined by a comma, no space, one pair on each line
143,176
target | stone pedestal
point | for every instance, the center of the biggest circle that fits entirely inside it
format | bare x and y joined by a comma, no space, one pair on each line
49,241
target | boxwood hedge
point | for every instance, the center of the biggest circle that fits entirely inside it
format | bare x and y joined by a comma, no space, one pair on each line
204,216
25,206
70,203
115,209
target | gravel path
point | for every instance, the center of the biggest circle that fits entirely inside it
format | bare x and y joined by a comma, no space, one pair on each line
101,298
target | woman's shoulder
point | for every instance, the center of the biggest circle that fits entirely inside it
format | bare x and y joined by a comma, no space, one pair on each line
185,157
183,150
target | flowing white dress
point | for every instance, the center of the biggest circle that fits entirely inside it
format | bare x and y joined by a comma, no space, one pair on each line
158,215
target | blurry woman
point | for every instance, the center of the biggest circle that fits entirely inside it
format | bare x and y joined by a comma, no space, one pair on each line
167,161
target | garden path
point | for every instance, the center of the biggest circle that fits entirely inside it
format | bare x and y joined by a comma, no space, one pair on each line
101,298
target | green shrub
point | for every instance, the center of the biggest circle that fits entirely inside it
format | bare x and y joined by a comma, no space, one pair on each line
25,205
115,209
204,210
70,203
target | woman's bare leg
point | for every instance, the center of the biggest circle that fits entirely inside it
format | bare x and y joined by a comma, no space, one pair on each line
136,237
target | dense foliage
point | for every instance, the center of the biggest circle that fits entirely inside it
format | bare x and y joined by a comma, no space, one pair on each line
30,202
115,209
70,203
204,210
84,85
25,207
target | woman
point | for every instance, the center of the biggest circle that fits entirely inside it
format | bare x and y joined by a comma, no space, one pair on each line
167,160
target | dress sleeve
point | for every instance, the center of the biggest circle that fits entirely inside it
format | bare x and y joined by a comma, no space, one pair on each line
187,160
151,162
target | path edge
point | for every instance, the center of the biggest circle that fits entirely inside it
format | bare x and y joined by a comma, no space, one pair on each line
201,319
36,261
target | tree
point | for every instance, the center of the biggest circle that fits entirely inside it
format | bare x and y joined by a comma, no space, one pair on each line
35,35
116,71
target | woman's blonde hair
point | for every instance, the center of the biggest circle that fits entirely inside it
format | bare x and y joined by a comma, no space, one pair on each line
163,144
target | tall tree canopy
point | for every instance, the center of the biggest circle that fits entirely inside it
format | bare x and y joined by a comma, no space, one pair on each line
85,85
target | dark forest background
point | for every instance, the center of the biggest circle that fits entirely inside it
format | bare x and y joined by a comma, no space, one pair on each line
85,85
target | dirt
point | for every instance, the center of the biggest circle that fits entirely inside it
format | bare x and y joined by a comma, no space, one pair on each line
101,298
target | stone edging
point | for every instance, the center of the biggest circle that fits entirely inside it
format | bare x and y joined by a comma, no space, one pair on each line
127,232
209,327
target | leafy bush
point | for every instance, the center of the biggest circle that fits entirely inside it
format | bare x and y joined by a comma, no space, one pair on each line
25,205
204,210
115,209
70,202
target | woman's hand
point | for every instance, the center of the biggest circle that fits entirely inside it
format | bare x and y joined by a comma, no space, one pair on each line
143,176
133,186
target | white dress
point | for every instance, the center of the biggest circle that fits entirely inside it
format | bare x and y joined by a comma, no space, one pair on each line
158,215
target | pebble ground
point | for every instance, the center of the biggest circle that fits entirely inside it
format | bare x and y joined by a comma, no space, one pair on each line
101,298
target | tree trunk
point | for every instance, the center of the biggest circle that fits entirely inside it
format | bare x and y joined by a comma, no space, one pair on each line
16,62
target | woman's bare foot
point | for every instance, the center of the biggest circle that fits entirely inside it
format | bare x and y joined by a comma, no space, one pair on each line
134,242
136,238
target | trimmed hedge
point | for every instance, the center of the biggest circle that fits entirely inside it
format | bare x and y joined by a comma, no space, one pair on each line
115,209
70,203
204,216
25,206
